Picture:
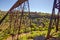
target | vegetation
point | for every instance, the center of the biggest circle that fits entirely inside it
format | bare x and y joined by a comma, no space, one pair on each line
39,27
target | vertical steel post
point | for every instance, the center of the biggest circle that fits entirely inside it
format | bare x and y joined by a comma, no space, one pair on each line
56,5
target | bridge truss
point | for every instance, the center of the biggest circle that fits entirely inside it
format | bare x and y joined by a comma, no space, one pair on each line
19,18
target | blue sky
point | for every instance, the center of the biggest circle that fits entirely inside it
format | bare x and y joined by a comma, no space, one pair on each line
35,5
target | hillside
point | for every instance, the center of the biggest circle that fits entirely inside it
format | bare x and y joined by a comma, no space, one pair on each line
39,27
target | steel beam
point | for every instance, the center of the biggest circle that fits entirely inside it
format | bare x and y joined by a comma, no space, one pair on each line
18,3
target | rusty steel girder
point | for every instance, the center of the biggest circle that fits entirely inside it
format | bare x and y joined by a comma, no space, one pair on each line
18,3
56,5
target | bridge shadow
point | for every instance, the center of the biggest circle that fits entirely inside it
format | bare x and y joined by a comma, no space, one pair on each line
39,38
44,38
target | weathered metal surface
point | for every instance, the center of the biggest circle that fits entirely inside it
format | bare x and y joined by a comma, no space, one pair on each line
18,3
56,5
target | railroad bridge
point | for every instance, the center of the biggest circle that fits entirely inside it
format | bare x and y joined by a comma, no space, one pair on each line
17,19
